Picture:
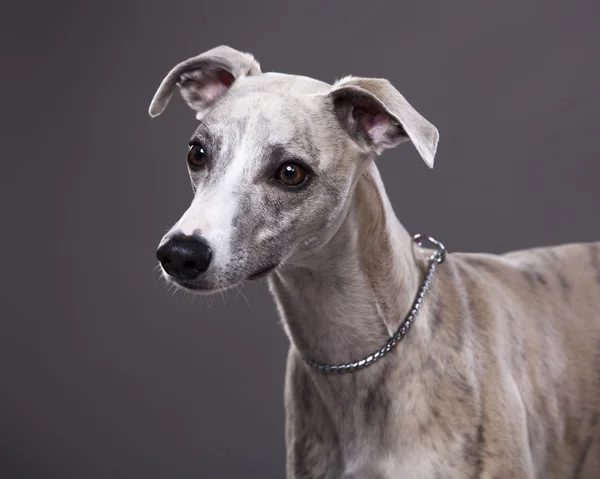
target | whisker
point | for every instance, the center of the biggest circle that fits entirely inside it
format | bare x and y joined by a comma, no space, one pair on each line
212,300
239,286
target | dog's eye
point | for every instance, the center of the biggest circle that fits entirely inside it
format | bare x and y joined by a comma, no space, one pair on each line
196,156
291,174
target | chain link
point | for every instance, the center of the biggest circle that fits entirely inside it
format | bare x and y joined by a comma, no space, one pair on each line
437,258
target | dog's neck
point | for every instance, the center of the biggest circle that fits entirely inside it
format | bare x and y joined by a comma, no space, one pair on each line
346,300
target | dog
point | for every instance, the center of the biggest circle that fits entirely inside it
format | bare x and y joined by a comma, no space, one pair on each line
405,361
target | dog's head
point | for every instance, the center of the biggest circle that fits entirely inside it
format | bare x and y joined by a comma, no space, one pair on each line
272,163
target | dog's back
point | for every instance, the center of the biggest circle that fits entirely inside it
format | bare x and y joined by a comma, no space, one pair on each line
536,327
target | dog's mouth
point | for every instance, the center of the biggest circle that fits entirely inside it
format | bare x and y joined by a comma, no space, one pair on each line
261,273
197,286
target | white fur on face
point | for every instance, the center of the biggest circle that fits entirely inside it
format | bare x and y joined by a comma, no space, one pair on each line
213,208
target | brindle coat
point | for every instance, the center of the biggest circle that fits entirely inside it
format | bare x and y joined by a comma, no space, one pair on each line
499,377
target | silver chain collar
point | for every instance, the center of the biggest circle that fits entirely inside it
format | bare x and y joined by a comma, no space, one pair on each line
434,260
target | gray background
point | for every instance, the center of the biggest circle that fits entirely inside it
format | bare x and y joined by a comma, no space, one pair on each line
106,374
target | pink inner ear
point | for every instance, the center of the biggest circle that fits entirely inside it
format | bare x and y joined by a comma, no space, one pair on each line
212,90
215,85
376,125
201,88
225,78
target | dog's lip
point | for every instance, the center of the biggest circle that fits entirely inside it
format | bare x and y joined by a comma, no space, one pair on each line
193,286
262,272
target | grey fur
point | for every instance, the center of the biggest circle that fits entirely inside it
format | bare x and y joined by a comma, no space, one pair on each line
499,376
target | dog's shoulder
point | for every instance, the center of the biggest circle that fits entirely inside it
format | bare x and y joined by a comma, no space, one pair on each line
549,266
560,284
562,253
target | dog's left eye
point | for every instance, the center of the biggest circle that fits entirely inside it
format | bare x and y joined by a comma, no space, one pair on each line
196,156
291,174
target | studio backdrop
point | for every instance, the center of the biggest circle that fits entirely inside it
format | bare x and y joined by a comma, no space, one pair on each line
105,372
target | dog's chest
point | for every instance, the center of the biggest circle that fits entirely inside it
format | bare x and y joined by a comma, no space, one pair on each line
380,432
370,458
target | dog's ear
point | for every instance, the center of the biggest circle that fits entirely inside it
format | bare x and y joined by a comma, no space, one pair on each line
378,117
203,79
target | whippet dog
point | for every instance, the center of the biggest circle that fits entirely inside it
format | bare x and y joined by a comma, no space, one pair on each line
405,361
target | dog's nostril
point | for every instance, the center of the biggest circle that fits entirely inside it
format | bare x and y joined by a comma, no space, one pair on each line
162,256
189,265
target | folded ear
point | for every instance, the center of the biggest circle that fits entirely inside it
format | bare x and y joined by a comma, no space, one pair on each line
203,79
378,117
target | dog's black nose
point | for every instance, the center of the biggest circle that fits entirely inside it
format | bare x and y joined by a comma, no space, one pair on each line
185,257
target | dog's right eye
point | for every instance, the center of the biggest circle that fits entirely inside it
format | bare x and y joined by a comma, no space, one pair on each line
291,174
196,156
